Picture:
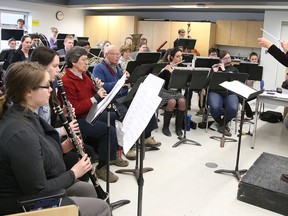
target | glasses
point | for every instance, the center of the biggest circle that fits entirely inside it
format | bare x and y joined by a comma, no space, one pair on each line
114,54
45,87
227,58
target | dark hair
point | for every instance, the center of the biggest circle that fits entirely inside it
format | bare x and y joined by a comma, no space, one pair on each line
21,20
213,49
43,55
165,56
82,43
253,54
23,38
74,54
223,53
11,39
35,35
20,77
173,53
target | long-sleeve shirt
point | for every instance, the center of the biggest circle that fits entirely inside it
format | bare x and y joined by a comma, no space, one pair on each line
279,55
79,92
110,77
30,158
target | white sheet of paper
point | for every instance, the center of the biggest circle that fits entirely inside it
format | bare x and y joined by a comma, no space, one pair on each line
238,88
106,101
142,108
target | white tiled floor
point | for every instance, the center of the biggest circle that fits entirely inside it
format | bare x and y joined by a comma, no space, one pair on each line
182,185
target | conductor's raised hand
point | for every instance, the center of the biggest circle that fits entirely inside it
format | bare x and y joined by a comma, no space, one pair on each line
264,43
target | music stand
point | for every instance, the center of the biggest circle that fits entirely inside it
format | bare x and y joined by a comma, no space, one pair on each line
82,38
153,57
186,43
7,34
237,90
95,51
139,71
254,70
206,62
182,79
216,79
93,115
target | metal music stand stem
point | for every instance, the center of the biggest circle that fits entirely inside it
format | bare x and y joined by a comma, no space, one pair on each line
138,171
183,78
236,172
119,203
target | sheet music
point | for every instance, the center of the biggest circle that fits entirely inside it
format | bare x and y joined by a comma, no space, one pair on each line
239,88
100,107
142,108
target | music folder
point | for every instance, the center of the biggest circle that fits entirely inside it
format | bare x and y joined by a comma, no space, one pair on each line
241,89
98,108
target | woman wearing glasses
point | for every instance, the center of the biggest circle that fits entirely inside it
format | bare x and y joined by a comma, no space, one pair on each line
217,99
31,160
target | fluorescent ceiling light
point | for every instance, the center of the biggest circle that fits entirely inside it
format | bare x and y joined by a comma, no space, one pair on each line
190,6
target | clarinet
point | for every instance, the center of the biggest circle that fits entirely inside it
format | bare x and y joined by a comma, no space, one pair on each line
73,138
97,86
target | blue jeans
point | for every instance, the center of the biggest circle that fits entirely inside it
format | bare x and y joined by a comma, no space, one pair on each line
217,101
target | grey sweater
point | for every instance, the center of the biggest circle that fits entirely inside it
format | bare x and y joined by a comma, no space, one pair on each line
30,158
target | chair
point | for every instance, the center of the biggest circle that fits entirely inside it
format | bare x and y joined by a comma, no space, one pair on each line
70,210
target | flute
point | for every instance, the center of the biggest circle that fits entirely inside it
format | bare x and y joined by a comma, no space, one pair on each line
73,138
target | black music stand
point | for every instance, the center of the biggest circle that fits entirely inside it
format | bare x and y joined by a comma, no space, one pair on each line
186,43
217,78
236,172
206,62
153,57
182,79
92,116
7,34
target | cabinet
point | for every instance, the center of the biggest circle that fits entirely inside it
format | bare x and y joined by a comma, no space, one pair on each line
157,32
238,32
112,28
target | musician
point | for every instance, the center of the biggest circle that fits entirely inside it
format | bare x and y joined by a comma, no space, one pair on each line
31,159
218,99
109,72
24,51
49,59
171,97
21,25
68,44
143,47
81,93
12,43
104,46
35,40
125,57
181,34
53,38
84,44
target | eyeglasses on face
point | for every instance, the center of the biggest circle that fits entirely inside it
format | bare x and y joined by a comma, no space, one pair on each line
40,86
114,54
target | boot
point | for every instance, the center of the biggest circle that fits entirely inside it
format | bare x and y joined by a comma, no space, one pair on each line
178,122
219,121
167,118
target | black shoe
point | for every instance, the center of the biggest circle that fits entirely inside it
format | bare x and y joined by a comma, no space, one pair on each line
284,177
166,131
179,132
223,130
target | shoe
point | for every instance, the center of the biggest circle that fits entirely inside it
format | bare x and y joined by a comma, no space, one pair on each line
200,112
246,118
179,132
151,142
119,162
166,131
131,155
284,177
224,131
102,174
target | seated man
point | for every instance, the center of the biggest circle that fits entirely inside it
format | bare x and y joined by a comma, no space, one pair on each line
109,72
81,93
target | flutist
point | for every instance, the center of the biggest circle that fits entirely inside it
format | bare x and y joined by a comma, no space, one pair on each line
172,97
31,154
81,92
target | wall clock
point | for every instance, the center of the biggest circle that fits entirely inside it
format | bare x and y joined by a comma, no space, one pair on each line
59,15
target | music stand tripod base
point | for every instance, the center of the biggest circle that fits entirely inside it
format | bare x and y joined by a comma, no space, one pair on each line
236,173
119,203
134,171
183,140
